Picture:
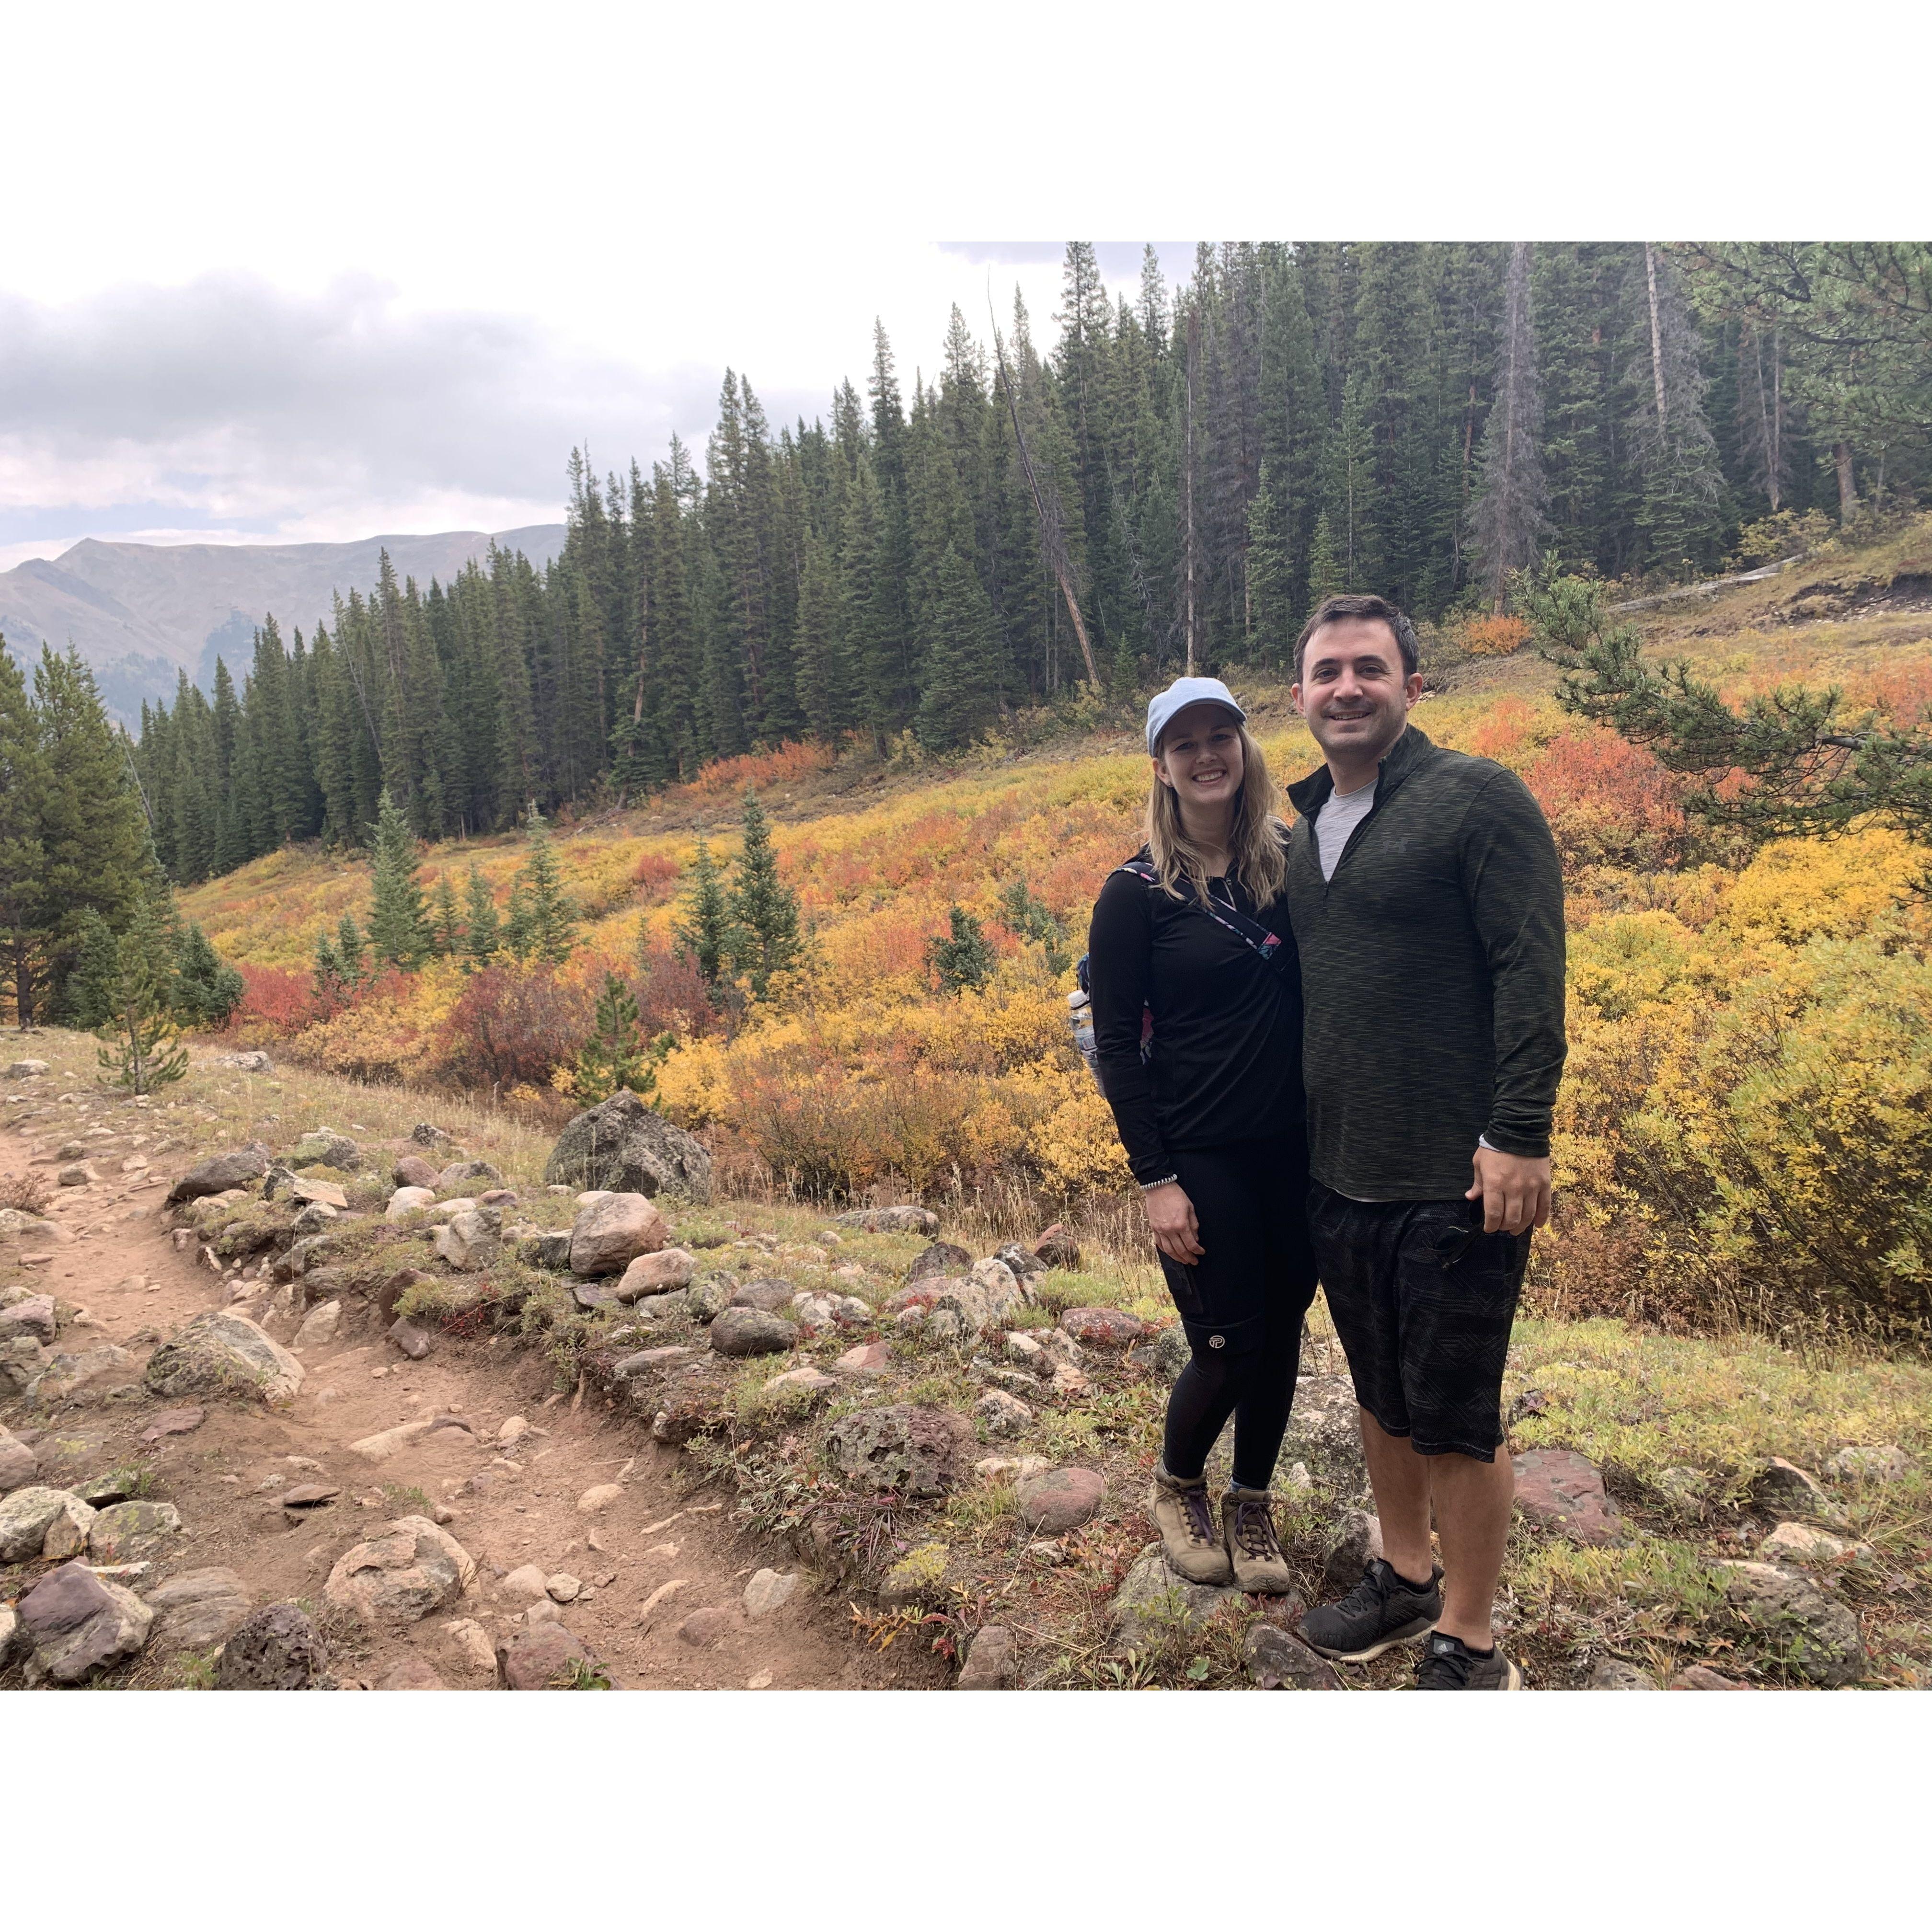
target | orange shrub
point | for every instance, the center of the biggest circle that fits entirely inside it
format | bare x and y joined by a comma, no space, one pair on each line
657,873
790,763
274,1002
511,1026
1494,636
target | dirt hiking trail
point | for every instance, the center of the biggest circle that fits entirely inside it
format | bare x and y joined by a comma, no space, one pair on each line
649,1555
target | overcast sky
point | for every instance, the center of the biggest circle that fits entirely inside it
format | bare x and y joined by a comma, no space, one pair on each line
270,274
233,406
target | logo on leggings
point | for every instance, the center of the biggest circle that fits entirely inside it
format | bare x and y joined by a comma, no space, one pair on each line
1217,1341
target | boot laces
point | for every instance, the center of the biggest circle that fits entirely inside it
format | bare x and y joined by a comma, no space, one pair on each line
1254,1528
1199,1515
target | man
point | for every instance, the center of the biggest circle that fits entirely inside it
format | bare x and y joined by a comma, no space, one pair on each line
1427,901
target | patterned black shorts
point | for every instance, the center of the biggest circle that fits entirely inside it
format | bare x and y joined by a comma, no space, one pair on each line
1427,1341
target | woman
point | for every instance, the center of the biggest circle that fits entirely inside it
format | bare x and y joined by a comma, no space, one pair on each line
1197,1020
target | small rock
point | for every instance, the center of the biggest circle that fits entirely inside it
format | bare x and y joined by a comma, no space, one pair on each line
66,1534
274,1648
19,1465
198,1609
1687,1489
890,1221
647,1361
1801,1541
1024,1262
423,1135
1165,1353
525,1585
610,1233
703,1628
1058,1249
751,1331
324,1148
413,1568
766,1293
1563,1491
319,1326
668,1270
1152,1600
1060,1500
33,1316
1702,1677
809,1381
1103,1328
1022,1348
132,1532
868,1359
1817,1638
409,1201
590,1295
307,1496
466,1174
1357,1542
1277,1661
471,1643
990,1663
324,1191
512,1431
768,1590
26,1515
415,1174
410,1339
598,1498
1886,1462
1613,1673
78,1175
562,1588
915,1450
543,1658
1785,1489
941,1260
916,1577
469,1241
1002,1414
24,1069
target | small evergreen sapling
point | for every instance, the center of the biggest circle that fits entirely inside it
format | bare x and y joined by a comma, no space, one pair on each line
446,929
482,935
764,912
141,1049
615,1056
964,960
205,990
399,932
706,935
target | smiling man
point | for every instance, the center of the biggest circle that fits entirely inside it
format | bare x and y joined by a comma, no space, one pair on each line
1427,902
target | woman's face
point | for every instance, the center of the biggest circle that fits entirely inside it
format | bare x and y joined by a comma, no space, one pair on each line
1200,757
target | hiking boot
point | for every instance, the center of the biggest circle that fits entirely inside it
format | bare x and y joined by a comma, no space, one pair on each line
1247,1526
1382,1610
1451,1665
1188,1538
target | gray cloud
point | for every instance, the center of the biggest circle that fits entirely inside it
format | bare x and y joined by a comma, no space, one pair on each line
235,399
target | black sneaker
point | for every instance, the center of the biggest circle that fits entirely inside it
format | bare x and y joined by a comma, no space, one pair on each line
1451,1665
1382,1610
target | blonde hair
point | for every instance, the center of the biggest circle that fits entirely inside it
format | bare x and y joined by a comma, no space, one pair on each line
1257,848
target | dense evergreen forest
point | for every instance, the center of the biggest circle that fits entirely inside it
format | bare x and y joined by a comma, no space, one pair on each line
1175,481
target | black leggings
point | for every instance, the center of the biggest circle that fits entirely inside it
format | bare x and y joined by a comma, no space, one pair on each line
1242,1304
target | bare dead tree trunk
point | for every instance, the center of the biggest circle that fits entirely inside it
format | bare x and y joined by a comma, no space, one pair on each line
1656,334
1848,495
1052,542
1777,412
1187,477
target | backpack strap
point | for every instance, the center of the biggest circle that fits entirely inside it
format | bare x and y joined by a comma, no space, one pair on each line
1265,945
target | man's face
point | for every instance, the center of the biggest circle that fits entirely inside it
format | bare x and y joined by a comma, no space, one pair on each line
1353,692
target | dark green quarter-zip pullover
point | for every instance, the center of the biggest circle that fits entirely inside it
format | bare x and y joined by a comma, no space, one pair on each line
1432,973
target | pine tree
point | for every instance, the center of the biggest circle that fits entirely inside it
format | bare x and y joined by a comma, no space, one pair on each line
26,915
94,983
1326,578
329,980
141,1049
962,961
614,1057
550,914
1680,515
350,949
1032,918
446,929
707,935
399,933
205,990
764,912
1508,518
481,931
960,697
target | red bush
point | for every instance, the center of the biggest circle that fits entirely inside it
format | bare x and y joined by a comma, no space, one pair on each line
655,872
512,1025
1608,802
672,996
273,998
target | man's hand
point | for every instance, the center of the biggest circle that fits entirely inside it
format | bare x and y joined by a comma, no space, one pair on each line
1171,1215
1513,1189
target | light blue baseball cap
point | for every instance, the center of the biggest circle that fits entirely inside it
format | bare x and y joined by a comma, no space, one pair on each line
1178,696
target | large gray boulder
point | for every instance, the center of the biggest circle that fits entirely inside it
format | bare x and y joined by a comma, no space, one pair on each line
220,1352
622,1148
224,1171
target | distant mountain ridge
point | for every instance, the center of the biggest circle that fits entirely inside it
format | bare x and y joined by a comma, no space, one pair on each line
139,614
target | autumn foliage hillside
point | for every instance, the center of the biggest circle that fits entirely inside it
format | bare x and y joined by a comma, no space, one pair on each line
1745,1129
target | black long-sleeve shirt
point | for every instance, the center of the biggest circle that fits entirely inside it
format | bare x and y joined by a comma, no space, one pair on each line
1432,965
1226,1064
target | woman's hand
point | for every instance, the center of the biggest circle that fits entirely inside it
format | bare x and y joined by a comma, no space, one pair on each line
1171,1215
